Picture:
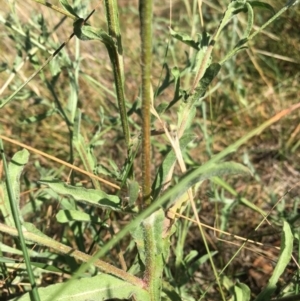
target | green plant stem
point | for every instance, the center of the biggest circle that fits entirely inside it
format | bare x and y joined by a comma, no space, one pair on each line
11,194
146,59
112,16
61,248
152,270
116,64
116,57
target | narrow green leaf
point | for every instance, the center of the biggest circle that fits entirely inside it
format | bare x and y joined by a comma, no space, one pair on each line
212,170
186,115
65,216
39,267
15,168
210,73
12,192
200,54
7,260
86,32
176,74
72,103
184,38
187,109
11,250
238,47
250,20
85,152
233,8
91,197
167,164
286,249
68,7
98,288
262,5
42,267
292,3
177,93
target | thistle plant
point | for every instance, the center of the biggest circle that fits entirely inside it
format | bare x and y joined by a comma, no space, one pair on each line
154,197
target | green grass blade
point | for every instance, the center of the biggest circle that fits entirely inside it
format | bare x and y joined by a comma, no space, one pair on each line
15,168
249,21
284,258
13,192
206,172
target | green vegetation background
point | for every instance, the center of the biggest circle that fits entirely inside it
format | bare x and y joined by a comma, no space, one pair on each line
251,88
